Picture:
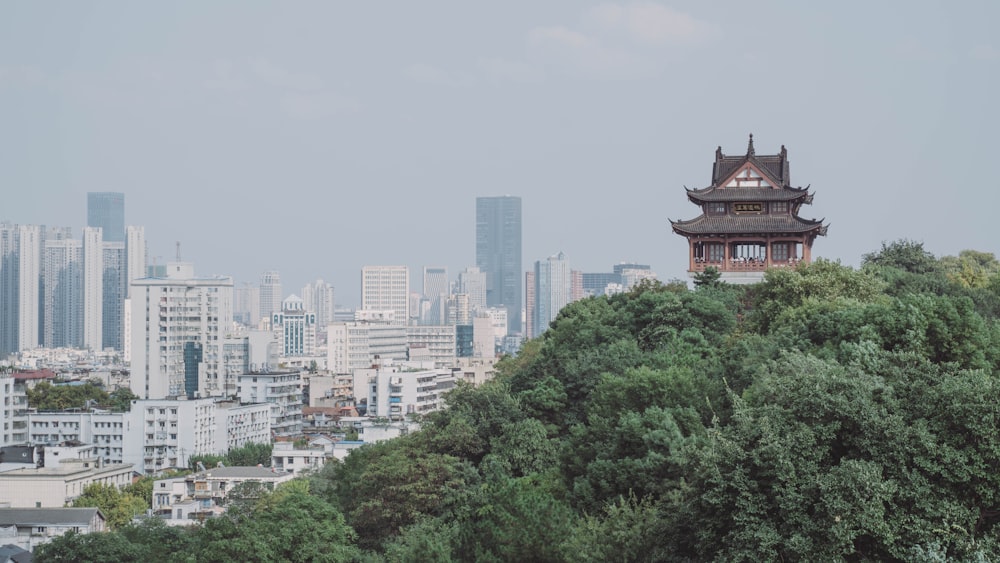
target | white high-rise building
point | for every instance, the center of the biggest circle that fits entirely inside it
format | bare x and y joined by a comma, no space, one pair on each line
135,259
472,282
30,250
552,285
93,288
295,328
179,325
352,345
270,293
318,297
246,304
386,288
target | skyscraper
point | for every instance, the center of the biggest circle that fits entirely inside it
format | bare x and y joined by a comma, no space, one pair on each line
553,284
270,293
107,211
386,288
498,253
93,288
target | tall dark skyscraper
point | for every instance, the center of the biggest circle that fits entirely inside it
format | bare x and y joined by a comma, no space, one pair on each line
107,211
498,254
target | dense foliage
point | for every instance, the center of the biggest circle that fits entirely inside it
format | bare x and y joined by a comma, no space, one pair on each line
48,397
827,413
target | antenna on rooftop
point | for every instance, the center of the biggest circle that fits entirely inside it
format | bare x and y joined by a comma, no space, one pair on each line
178,251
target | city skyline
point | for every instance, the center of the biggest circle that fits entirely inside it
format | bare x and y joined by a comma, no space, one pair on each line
318,140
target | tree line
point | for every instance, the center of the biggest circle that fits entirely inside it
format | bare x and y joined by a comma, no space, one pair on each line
826,413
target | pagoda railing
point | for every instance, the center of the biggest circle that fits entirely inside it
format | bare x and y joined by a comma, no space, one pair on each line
740,265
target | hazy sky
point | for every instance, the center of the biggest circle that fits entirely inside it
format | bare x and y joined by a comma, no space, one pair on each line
317,137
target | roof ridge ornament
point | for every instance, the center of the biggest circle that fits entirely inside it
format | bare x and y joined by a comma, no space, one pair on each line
750,151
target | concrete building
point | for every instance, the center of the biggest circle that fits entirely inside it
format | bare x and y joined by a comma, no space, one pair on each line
438,341
164,434
386,288
552,291
436,289
241,425
103,431
286,458
203,494
484,343
295,328
270,293
54,486
246,304
93,288
498,253
114,290
356,344
472,282
178,332
282,391
28,528
62,290
318,298
13,411
393,393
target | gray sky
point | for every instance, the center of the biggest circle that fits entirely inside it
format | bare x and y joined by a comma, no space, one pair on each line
317,137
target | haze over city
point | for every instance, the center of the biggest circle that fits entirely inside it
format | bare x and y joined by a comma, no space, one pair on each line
318,138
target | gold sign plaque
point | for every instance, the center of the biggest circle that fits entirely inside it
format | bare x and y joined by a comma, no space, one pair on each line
748,207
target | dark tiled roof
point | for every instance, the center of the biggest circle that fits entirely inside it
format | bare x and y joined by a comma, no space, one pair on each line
775,166
712,193
739,224
46,516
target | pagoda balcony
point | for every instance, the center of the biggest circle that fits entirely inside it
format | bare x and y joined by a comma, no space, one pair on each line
740,265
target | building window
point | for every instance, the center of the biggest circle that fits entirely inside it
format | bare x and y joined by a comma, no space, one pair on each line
779,251
779,207
716,252
716,207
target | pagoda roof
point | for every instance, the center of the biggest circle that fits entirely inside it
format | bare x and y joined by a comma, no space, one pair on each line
712,193
774,167
748,224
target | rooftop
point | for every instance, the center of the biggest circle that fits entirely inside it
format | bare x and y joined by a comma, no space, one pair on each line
47,516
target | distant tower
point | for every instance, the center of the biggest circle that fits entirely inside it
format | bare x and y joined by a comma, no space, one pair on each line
436,291
93,288
107,211
472,281
552,291
386,288
270,293
498,253
750,218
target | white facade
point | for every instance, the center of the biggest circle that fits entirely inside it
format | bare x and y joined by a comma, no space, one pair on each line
354,345
286,458
318,297
270,293
62,316
163,434
282,391
13,411
93,288
439,340
553,287
135,256
56,486
104,431
472,282
170,315
483,337
386,288
242,425
295,328
393,393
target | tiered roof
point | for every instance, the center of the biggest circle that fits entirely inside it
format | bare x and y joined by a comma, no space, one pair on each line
767,178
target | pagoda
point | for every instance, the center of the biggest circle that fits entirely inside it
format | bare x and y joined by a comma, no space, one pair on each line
750,218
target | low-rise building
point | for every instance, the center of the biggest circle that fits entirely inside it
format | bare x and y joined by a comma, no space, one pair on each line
59,484
393,393
208,489
285,457
29,528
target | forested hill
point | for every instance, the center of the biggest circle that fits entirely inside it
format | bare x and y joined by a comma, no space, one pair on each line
825,414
